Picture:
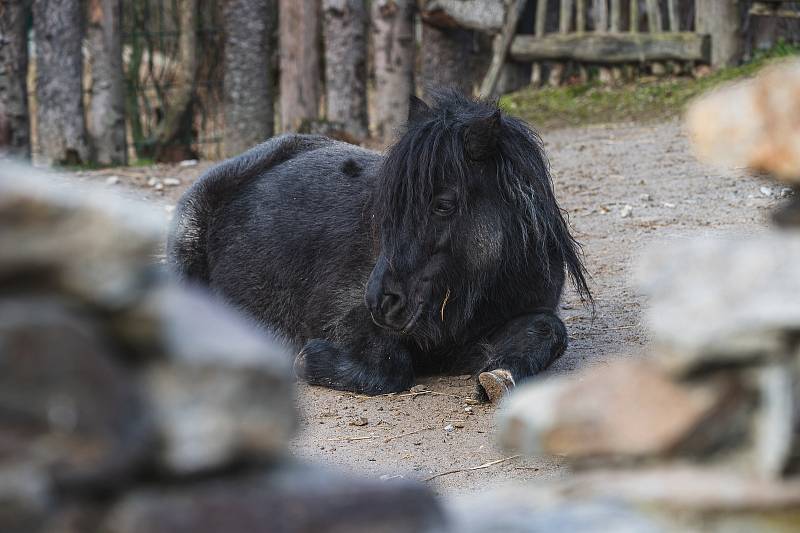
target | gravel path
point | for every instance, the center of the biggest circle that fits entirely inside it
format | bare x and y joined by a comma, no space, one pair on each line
626,187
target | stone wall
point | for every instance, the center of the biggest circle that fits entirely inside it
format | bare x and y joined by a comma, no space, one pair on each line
131,405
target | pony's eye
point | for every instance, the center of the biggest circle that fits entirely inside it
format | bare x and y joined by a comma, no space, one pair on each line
444,207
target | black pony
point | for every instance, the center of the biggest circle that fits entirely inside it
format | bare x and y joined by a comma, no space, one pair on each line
448,254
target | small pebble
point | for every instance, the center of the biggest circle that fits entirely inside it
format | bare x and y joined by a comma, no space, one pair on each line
158,187
785,193
188,163
645,197
669,205
152,182
626,211
767,191
359,421
468,409
112,180
172,182
449,428
418,388
459,425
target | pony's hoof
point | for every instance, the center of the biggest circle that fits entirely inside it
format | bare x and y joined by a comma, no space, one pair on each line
299,366
496,383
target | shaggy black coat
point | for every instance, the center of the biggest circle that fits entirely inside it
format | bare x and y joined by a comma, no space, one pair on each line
448,254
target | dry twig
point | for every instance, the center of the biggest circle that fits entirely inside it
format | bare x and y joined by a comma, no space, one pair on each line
479,467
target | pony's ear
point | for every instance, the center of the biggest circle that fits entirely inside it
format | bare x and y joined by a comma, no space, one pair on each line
417,109
481,137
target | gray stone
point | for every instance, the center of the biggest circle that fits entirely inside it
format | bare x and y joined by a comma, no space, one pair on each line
777,435
220,389
80,240
25,496
288,499
629,410
723,300
669,500
68,409
533,510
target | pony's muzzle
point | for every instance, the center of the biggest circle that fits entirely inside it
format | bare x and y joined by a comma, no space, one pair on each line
388,308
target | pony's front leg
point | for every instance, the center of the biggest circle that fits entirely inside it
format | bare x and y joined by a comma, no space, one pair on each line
525,346
360,358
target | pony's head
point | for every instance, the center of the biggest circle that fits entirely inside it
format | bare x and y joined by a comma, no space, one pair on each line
464,217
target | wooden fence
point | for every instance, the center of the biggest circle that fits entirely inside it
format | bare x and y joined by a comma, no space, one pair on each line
613,32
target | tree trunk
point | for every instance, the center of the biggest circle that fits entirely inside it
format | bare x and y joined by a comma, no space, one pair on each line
107,106
393,44
174,136
61,125
299,62
446,59
14,123
346,64
249,73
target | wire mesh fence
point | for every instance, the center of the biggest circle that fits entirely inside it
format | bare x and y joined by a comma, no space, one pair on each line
151,46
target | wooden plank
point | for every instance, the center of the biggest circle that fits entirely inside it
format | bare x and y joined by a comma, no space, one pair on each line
565,16
674,22
612,48
634,16
500,46
616,15
654,23
580,15
763,9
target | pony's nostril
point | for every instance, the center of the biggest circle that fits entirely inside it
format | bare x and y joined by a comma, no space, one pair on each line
391,304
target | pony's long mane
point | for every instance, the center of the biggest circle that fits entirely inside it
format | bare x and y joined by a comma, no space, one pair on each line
434,146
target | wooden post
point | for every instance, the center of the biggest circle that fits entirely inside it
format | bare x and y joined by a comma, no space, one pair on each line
616,15
616,26
634,16
564,25
720,19
541,24
500,45
674,23
565,17
654,17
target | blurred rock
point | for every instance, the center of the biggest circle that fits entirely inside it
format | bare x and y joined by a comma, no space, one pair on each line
86,242
68,410
289,499
674,499
626,411
211,364
25,496
688,488
535,510
753,123
723,301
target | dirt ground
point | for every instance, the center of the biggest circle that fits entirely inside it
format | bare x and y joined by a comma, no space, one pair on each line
626,187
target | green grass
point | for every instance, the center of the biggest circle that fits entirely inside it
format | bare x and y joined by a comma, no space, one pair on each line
643,101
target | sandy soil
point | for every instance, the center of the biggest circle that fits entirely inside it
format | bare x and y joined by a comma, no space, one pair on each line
597,171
